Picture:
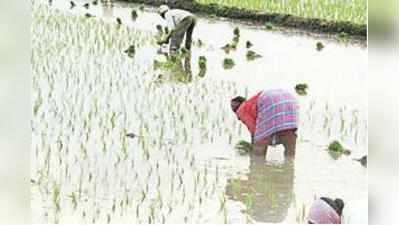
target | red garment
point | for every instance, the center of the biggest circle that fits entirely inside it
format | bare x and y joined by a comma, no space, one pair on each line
247,112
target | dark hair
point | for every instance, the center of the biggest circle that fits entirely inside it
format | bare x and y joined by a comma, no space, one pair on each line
236,102
337,204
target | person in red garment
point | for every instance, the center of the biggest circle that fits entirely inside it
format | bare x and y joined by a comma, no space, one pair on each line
271,117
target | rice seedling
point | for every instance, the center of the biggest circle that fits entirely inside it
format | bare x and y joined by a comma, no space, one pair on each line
301,89
243,147
337,147
319,46
344,37
56,197
86,5
119,21
131,51
200,43
202,66
248,44
228,63
134,15
251,55
227,48
88,15
249,202
269,26
236,32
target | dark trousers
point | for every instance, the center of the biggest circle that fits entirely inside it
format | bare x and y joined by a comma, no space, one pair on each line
184,28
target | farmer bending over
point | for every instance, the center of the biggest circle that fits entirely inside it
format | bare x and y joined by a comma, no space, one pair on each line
181,23
271,117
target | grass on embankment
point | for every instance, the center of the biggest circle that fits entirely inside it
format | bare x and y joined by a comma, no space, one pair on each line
354,11
314,25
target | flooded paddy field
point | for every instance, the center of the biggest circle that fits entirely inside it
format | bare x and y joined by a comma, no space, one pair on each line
87,94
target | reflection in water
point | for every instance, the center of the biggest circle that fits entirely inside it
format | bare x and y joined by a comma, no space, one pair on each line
176,68
108,9
268,191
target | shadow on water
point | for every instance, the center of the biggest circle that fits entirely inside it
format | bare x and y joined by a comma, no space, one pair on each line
267,192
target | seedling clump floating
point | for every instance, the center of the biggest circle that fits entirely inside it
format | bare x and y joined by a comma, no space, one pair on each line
301,89
202,66
236,32
88,15
337,147
269,26
319,46
343,36
119,21
248,44
243,147
251,55
228,63
134,15
131,51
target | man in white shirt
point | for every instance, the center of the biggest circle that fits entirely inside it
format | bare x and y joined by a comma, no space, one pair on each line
181,23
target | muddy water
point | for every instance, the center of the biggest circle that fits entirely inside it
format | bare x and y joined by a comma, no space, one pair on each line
87,94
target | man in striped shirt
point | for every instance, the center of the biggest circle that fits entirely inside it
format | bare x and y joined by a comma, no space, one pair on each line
271,117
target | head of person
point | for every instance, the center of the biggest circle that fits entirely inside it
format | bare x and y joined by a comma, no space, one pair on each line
236,102
162,10
326,211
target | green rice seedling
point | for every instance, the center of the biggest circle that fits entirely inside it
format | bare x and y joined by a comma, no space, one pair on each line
249,201
88,15
248,44
74,200
95,2
119,20
200,43
228,63
236,32
269,26
243,147
222,202
108,218
202,66
56,197
319,46
86,5
251,55
301,89
134,15
301,216
344,37
336,146
131,51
